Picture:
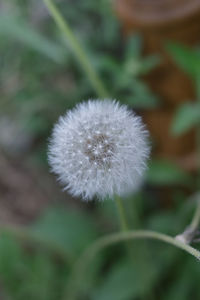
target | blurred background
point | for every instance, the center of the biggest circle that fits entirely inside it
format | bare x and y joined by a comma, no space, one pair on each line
147,55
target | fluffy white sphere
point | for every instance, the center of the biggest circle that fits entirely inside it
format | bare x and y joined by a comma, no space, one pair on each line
99,148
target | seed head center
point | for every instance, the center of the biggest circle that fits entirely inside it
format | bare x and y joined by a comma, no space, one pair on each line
99,149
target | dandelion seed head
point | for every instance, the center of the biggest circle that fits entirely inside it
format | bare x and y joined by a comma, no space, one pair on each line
99,148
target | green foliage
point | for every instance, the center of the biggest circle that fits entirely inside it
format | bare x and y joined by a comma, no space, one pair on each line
14,27
121,283
40,272
185,57
124,75
25,275
185,285
186,117
70,230
163,172
40,77
39,81
30,271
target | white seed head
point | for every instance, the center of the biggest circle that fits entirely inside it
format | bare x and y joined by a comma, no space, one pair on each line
99,148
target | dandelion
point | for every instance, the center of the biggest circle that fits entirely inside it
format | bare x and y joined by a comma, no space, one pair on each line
99,148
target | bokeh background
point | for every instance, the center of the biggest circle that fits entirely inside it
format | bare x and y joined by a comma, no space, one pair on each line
147,55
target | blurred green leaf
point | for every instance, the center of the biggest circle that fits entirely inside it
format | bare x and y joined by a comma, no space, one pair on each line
162,222
141,66
163,172
149,63
134,63
133,46
185,118
16,28
69,229
12,268
127,280
180,287
27,275
41,278
120,283
188,59
141,97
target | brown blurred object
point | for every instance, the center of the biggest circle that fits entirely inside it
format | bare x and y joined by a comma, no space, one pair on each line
22,196
160,21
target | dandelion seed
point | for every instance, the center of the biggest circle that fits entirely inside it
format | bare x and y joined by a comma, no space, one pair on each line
109,158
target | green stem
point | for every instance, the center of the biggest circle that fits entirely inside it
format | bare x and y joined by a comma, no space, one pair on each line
112,239
121,212
78,51
123,224
134,252
190,233
197,84
196,218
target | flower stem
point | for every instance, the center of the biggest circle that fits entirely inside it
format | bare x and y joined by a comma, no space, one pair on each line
134,252
196,218
121,212
112,239
197,85
77,50
190,233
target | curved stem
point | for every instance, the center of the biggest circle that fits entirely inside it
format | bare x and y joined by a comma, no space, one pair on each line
190,233
77,49
197,85
196,218
112,239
